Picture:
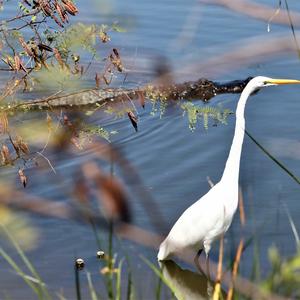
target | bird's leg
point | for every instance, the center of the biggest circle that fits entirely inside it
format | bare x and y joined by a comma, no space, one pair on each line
209,282
196,261
207,267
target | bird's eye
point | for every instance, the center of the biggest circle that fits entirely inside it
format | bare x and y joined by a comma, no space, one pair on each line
265,82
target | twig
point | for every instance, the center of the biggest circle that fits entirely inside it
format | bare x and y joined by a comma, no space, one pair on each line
235,268
255,10
23,16
48,161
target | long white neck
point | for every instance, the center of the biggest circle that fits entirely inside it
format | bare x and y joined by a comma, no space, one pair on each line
232,167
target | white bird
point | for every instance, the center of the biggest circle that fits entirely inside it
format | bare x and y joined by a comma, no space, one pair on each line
210,217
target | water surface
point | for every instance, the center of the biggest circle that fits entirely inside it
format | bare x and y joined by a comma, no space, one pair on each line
173,161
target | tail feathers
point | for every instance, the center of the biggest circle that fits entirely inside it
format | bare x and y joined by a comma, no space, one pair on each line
163,253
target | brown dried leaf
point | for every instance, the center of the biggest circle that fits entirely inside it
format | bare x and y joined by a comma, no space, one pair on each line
116,60
24,147
133,120
23,178
5,155
97,80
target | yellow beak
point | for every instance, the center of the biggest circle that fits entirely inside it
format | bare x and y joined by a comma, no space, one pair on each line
283,81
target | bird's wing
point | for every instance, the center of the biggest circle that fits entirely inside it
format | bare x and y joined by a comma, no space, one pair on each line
198,221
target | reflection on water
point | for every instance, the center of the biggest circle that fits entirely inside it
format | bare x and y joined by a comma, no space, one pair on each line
187,284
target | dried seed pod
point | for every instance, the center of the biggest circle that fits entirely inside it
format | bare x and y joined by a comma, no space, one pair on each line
23,68
81,191
104,36
141,98
61,12
113,198
25,47
79,264
58,57
107,82
116,60
81,70
116,52
45,47
49,123
16,147
97,80
100,254
133,120
3,123
46,8
23,178
17,63
75,58
57,21
70,7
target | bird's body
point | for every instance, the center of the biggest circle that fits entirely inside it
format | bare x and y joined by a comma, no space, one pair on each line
210,217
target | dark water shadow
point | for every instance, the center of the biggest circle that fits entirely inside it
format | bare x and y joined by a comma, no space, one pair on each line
186,283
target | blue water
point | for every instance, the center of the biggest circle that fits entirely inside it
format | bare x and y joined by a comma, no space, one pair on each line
173,161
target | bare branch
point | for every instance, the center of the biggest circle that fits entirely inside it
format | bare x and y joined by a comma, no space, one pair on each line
256,11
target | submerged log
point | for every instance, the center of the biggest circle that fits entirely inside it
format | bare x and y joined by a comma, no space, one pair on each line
202,89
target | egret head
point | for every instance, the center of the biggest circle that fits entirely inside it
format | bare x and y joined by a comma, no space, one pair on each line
262,81
259,82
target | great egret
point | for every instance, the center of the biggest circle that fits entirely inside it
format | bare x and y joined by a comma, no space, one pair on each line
210,217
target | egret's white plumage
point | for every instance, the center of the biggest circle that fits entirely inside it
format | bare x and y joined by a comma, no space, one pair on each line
210,217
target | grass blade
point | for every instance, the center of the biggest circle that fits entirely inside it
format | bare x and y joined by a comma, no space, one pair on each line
294,229
91,287
19,271
29,265
118,281
272,157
